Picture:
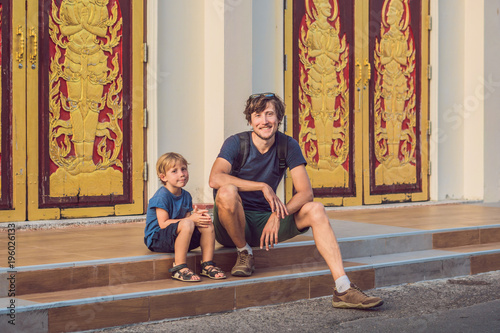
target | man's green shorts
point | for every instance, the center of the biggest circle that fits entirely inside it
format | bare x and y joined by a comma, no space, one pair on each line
255,223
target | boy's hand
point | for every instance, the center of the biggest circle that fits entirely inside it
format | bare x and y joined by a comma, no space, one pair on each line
200,217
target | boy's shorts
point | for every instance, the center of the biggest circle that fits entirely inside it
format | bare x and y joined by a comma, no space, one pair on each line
255,223
164,239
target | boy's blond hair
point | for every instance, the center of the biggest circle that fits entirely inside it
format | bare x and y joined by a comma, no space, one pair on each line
168,161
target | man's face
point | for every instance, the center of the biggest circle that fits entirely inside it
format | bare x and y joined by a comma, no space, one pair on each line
265,123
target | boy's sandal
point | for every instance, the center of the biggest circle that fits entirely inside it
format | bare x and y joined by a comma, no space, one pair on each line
212,271
186,276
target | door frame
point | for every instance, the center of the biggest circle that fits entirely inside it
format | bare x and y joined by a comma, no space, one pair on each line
17,107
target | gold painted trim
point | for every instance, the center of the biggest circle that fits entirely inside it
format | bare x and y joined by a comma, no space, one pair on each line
424,106
18,90
87,212
289,86
360,29
136,207
330,202
34,213
367,198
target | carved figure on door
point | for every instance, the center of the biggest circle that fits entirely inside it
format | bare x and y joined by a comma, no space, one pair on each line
85,70
85,98
394,90
323,88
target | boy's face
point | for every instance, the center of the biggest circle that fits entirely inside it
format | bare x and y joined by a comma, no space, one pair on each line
265,123
176,177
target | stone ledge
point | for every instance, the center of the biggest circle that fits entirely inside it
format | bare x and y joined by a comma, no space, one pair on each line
65,223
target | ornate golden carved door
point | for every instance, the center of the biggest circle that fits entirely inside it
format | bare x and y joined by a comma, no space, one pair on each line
80,72
357,92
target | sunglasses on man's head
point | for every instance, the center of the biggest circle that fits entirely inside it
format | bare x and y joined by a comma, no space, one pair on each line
262,95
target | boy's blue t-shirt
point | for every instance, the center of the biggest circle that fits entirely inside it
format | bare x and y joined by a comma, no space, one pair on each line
261,168
176,206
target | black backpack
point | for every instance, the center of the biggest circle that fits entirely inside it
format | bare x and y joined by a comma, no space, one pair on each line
245,137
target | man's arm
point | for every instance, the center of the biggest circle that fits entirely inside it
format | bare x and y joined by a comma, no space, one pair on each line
303,194
220,176
303,189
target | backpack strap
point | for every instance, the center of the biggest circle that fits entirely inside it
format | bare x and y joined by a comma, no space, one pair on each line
282,150
240,160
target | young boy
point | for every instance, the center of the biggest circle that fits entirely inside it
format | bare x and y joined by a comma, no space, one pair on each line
173,226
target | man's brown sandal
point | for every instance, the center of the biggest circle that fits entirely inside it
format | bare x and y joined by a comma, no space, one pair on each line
185,276
212,271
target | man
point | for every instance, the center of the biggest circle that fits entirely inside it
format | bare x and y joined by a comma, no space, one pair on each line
248,212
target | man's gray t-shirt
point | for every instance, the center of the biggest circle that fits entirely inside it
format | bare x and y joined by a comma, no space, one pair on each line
261,168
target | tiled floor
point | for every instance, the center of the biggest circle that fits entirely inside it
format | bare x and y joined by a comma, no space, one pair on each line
83,243
37,247
428,217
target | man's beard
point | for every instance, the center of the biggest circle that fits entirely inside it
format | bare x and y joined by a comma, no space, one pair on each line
264,138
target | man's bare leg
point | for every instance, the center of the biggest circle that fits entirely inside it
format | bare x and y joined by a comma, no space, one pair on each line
313,215
232,218
231,214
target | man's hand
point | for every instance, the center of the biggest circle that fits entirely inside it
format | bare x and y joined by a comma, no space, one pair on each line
270,233
277,206
200,217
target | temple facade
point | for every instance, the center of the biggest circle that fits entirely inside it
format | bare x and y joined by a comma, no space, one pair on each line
390,100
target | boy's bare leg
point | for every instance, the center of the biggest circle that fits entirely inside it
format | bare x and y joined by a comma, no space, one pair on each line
313,215
207,244
184,233
231,214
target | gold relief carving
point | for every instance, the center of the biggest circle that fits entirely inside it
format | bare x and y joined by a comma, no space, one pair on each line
394,97
85,104
323,94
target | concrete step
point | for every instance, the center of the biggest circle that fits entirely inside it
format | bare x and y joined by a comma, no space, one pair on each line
401,260
117,271
88,295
